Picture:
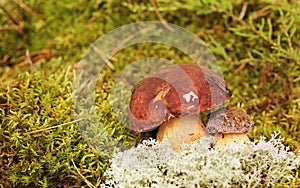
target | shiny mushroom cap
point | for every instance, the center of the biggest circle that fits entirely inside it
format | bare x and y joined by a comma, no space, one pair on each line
229,120
174,91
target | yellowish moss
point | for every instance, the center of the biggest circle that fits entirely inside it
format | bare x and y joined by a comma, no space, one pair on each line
258,52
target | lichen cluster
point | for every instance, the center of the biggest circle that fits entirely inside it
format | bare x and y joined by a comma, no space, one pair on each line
153,164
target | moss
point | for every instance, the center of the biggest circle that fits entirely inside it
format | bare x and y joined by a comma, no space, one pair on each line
259,56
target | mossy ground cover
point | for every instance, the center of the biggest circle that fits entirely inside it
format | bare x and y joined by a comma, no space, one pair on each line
256,45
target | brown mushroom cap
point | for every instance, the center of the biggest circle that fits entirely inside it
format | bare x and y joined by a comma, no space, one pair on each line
177,90
229,120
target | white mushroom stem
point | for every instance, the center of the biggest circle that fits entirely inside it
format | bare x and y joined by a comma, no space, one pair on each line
222,139
181,130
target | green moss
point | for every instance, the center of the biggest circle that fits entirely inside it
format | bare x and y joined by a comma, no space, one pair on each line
259,56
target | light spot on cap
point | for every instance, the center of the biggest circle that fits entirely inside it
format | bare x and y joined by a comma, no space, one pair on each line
190,96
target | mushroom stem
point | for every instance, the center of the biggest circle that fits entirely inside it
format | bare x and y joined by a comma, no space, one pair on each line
222,139
181,130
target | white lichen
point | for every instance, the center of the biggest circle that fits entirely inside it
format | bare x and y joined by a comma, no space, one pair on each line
153,164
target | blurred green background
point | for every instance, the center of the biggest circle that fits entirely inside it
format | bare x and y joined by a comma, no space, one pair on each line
256,44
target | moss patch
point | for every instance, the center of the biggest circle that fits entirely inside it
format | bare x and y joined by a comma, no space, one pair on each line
257,50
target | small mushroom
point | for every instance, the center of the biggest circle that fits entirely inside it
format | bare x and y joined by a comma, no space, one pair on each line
173,97
229,125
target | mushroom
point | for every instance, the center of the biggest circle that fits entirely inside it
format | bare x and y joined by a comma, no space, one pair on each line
229,125
181,130
173,97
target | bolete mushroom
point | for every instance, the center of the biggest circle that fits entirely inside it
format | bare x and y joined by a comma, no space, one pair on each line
173,97
229,125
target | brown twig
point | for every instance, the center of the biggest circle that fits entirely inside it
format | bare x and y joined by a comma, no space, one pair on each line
28,9
103,56
260,13
86,181
9,27
244,23
260,34
13,23
129,38
4,59
10,17
53,127
240,68
161,19
35,56
46,107
52,111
